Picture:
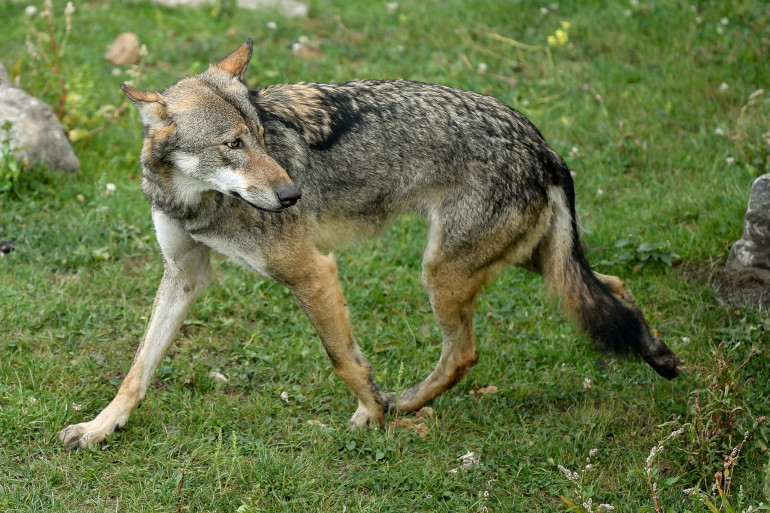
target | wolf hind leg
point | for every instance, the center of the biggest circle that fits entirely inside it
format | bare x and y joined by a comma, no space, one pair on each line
456,266
452,288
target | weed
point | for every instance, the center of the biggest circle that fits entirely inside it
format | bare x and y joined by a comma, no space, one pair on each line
631,252
583,488
723,481
11,165
47,46
716,413
72,92
652,470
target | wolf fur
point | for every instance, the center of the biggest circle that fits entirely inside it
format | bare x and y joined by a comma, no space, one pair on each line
271,177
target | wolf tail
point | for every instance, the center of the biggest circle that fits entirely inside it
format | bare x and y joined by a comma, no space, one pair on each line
599,305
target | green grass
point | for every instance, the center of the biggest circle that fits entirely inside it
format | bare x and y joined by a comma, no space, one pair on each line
76,293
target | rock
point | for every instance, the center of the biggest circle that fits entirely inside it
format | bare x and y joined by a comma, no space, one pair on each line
35,130
289,8
753,249
6,247
218,377
124,51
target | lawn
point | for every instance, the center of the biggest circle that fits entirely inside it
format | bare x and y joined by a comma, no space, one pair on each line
654,107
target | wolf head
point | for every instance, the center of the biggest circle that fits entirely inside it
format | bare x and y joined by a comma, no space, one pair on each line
203,134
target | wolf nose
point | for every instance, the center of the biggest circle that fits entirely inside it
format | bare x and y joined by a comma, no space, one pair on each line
288,195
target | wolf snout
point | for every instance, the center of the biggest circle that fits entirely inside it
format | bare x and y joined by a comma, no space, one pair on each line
288,195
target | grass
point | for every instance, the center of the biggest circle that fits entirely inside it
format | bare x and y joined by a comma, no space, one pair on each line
635,90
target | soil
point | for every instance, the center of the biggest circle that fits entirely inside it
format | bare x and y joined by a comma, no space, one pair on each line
747,286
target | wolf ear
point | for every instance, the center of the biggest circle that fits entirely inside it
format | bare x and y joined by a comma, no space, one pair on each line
151,106
237,63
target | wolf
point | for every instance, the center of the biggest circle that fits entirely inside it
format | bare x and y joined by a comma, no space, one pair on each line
274,178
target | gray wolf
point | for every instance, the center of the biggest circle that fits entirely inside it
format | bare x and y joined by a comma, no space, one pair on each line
273,177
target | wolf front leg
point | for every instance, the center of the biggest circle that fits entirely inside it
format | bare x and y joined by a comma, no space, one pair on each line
187,272
319,295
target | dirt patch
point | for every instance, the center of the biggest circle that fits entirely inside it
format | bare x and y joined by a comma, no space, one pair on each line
748,286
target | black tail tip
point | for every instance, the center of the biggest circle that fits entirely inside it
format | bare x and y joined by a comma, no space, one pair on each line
662,359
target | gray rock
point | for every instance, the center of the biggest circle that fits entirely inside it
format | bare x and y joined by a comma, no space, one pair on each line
289,8
753,250
35,130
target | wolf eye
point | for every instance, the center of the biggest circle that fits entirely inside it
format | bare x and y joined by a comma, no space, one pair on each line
235,144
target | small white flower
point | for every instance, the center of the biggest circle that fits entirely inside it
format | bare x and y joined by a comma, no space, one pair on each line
628,13
599,192
698,20
30,11
719,131
730,161
303,40
285,396
587,381
482,68
653,452
724,21
392,6
143,51
110,188
272,25
686,340
544,10
720,29
572,476
69,10
116,72
553,6
593,452
605,507
634,3
723,87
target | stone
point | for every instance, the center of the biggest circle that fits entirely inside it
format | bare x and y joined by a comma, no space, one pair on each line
753,249
35,132
289,8
124,51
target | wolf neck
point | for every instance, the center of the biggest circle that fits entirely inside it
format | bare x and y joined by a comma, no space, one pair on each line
179,196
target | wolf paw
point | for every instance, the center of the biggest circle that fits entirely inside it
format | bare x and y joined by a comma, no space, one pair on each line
83,435
366,418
